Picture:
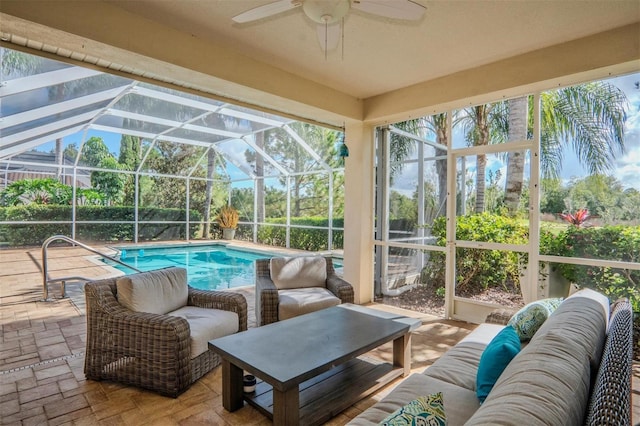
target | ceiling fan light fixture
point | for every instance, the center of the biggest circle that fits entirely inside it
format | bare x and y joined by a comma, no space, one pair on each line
326,11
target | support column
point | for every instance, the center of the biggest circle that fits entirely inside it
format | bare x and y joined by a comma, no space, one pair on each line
358,210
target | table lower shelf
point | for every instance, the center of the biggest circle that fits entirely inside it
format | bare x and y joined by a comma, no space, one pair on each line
328,394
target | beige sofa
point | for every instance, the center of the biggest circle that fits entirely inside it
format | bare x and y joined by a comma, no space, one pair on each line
556,379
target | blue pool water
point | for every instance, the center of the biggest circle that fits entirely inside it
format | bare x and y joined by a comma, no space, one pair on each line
209,267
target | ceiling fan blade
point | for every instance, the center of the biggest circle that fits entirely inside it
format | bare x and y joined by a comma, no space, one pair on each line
266,10
396,9
329,35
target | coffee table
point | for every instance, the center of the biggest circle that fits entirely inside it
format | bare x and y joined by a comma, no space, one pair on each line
308,367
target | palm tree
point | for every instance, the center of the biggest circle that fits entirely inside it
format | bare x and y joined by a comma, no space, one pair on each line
482,125
588,116
401,149
515,159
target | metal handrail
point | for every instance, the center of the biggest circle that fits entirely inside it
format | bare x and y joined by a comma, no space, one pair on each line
45,275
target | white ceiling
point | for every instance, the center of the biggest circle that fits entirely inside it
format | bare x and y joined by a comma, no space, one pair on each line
381,55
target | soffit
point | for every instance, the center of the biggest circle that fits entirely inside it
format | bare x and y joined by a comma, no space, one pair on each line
381,55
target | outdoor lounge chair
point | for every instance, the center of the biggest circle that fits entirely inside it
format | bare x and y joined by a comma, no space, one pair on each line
151,329
288,287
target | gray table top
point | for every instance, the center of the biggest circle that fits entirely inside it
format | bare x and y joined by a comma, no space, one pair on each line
286,353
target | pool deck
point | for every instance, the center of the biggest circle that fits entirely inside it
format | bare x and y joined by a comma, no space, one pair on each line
43,343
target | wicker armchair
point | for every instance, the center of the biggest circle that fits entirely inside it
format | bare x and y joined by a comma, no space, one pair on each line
146,350
267,297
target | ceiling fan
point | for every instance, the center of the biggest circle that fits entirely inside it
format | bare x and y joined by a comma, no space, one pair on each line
329,14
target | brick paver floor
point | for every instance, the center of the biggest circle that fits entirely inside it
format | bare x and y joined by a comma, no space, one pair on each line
42,357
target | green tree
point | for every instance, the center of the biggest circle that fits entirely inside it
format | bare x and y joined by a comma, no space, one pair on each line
71,151
401,148
402,207
517,131
552,196
483,125
601,195
94,151
110,183
169,158
309,190
589,117
129,159
242,200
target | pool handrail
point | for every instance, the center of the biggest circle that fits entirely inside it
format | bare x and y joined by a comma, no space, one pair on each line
45,275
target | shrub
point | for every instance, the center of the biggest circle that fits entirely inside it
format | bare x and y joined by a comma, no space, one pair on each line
620,243
479,269
306,238
27,233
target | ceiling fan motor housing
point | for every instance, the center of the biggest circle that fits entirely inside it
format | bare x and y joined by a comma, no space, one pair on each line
326,11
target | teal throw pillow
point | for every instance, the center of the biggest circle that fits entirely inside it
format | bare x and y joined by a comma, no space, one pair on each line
426,410
495,358
530,318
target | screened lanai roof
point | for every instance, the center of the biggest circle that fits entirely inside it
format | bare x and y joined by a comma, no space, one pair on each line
43,100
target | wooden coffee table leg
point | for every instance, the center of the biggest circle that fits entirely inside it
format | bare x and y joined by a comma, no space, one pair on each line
232,397
286,407
402,353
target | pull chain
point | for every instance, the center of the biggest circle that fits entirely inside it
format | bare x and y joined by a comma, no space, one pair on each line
326,42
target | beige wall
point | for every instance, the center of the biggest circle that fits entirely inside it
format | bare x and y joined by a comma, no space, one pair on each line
100,34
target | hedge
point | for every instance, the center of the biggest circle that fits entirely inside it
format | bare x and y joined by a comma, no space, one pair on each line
307,238
26,234
478,269
619,243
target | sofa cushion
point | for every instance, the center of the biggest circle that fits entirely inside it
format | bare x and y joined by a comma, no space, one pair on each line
495,358
298,272
462,402
206,324
548,382
531,317
595,296
459,365
424,410
301,301
156,292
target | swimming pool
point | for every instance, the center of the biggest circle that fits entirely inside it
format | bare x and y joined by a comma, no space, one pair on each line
209,267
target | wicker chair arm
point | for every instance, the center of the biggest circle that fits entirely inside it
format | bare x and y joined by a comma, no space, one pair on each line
223,300
342,289
151,327
267,301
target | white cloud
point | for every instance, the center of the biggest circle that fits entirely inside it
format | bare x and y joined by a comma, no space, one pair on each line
627,169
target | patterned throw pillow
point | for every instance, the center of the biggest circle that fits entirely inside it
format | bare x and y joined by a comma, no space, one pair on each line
530,318
426,410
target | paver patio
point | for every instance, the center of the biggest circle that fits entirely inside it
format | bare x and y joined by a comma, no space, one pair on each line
42,357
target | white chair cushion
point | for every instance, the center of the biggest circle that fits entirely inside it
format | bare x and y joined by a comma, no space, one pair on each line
301,301
156,292
298,272
206,324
